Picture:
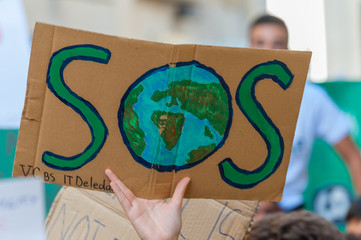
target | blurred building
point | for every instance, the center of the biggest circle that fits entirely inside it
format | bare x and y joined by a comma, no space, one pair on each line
175,21
331,29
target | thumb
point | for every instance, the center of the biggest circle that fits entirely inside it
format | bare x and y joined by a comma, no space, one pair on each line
180,190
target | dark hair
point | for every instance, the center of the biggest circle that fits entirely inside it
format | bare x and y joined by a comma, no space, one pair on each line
354,211
352,237
269,19
297,225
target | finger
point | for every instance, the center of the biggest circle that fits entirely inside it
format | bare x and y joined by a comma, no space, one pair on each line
127,192
179,191
123,200
121,186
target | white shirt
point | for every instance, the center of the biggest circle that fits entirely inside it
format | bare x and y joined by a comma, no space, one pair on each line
319,117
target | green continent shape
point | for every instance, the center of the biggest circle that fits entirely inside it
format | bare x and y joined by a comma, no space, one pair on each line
200,153
207,132
131,122
170,126
204,100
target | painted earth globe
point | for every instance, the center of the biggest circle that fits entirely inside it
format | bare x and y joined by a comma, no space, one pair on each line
175,116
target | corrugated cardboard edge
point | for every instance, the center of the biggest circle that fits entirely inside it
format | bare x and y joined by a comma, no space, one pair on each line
251,222
34,102
202,219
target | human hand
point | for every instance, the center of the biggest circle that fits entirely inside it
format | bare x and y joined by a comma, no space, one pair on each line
152,219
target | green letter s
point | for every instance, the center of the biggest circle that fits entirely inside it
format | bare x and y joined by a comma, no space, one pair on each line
90,115
254,112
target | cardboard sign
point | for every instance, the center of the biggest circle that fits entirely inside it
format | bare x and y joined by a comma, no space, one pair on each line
154,113
22,209
84,214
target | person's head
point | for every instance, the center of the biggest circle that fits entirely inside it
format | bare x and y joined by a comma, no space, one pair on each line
268,32
353,218
296,225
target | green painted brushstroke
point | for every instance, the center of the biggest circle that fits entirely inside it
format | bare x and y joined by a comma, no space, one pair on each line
255,113
205,101
131,122
207,132
170,126
56,84
200,153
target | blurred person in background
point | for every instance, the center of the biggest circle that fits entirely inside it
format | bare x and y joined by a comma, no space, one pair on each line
353,220
319,117
294,226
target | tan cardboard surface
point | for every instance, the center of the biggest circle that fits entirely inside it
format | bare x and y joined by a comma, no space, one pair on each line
85,214
154,113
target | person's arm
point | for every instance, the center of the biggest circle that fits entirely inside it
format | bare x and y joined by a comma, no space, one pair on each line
350,153
152,219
